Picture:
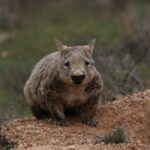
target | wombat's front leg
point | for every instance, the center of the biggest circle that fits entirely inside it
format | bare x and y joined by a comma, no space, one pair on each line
57,113
88,111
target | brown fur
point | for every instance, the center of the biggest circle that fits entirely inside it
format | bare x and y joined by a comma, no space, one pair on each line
50,90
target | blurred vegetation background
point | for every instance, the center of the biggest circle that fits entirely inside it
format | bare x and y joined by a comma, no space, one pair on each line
28,29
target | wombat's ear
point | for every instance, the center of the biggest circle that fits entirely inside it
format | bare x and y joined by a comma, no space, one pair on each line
60,46
91,45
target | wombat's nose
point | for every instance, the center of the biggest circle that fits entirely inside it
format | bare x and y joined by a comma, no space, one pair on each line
77,79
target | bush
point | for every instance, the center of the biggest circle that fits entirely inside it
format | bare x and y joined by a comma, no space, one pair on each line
117,136
5,144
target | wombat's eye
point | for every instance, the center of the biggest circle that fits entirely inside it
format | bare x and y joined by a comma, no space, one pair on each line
66,64
87,63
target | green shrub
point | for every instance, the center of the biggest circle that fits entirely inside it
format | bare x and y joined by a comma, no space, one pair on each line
117,136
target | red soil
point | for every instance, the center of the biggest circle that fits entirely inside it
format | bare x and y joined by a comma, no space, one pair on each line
131,113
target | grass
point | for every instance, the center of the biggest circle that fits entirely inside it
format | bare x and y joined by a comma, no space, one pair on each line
144,72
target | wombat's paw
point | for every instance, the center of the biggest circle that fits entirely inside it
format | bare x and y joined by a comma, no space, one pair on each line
89,122
62,123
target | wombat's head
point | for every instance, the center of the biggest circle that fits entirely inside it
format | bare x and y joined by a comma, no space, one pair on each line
76,65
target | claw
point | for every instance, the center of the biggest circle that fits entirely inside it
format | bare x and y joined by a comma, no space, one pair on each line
93,123
81,111
89,122
62,123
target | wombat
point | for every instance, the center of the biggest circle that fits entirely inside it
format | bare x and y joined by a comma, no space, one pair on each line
65,81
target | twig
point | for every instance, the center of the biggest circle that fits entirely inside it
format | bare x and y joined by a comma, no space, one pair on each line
134,66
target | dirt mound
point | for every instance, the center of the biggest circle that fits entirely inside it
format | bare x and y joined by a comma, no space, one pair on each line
131,113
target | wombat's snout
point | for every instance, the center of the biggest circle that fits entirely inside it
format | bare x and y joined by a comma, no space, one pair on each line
78,79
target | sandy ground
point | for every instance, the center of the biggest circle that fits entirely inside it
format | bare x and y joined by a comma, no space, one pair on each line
131,113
